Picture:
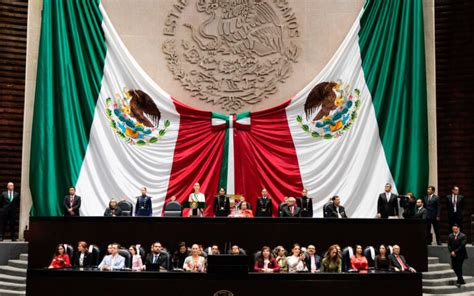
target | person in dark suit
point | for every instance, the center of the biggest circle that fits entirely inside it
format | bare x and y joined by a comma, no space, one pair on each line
325,208
455,206
409,205
143,206
72,203
9,203
157,259
433,208
398,261
312,260
82,258
457,249
221,204
420,212
290,209
335,210
387,203
264,205
306,204
113,210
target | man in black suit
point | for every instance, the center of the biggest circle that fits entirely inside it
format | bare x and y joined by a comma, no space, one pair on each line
72,203
420,212
264,205
326,208
312,260
9,203
387,203
433,208
457,249
398,261
290,209
455,206
306,204
335,210
157,259
221,204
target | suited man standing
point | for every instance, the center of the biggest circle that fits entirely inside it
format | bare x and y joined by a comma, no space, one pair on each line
306,204
420,212
387,203
433,208
221,204
72,203
290,209
9,203
457,249
335,210
264,205
455,206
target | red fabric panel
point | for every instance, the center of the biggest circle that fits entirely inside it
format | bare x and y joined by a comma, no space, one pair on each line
265,157
197,156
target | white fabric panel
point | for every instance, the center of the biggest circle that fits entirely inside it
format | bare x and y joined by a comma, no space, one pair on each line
352,166
113,168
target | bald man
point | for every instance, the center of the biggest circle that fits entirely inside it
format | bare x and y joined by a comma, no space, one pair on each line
290,209
9,203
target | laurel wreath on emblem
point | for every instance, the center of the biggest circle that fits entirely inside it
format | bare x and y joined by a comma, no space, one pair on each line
134,117
338,109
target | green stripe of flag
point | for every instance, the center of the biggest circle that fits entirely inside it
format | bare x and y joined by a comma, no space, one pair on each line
70,68
391,40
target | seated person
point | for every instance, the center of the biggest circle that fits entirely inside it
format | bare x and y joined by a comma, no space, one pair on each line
195,263
358,261
82,258
242,210
215,250
180,255
235,250
265,262
60,258
296,261
157,259
332,261
113,261
335,210
398,261
113,210
280,257
312,260
137,264
290,209
381,261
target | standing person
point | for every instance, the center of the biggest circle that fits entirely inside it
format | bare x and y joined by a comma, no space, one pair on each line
9,203
409,206
221,204
455,206
264,205
433,208
72,203
420,212
387,203
143,206
457,249
196,197
306,204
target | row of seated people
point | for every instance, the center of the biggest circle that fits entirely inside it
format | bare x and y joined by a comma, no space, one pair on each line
266,260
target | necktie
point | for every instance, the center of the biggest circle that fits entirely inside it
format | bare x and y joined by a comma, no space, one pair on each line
404,267
454,202
154,259
292,210
71,201
11,195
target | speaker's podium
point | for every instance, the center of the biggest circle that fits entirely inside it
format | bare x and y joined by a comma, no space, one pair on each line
228,264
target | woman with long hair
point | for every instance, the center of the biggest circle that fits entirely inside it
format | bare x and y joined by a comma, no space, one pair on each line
60,258
331,262
265,261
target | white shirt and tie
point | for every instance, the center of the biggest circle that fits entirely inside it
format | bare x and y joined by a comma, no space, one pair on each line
387,195
454,201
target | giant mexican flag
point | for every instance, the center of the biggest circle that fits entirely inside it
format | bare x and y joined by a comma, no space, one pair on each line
102,125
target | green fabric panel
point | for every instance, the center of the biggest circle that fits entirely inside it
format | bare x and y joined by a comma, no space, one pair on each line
70,67
391,39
